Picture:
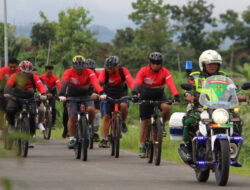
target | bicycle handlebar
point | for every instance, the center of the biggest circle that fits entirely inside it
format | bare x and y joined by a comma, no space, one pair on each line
155,102
118,100
78,99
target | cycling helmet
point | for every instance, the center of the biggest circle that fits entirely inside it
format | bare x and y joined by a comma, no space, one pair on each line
26,66
156,57
90,63
111,61
208,57
78,62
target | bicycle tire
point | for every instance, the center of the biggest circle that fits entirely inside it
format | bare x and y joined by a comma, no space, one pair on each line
112,143
149,146
85,138
91,137
23,143
78,146
117,136
158,142
48,125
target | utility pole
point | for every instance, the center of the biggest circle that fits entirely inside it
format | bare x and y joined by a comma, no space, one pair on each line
5,34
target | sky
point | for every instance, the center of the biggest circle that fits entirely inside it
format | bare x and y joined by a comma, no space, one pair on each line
110,13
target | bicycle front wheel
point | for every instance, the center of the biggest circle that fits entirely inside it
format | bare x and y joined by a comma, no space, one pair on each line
158,130
78,146
48,125
85,138
23,141
149,145
117,132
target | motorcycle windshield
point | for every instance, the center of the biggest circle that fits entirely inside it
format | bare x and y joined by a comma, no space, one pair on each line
218,92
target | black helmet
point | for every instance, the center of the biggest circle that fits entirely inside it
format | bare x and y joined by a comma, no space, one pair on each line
156,57
90,63
79,62
111,61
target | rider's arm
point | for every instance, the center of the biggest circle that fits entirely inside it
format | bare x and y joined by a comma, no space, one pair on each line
58,83
128,78
102,77
170,83
10,83
94,81
65,81
39,85
138,81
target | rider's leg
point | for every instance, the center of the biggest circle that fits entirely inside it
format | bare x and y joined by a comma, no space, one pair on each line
72,125
124,114
2,113
72,112
52,103
91,113
143,135
165,108
65,121
41,116
105,130
11,110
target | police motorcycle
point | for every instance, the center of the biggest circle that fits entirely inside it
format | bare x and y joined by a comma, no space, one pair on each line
215,146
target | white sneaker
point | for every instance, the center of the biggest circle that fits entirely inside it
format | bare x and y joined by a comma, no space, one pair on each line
41,127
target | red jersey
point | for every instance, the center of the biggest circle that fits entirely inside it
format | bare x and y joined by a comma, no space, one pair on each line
5,73
97,73
51,81
23,82
82,81
155,80
115,79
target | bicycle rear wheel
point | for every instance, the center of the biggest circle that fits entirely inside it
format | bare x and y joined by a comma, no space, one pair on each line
117,133
23,142
158,130
48,125
85,138
149,145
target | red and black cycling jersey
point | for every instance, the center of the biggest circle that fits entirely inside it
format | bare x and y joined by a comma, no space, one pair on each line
151,84
77,85
115,86
5,75
51,82
23,85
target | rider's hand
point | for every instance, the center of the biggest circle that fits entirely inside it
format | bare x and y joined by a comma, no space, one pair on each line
135,98
62,98
177,99
190,99
103,97
43,97
7,96
94,96
49,94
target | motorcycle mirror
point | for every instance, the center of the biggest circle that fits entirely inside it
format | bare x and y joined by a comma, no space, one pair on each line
246,86
186,86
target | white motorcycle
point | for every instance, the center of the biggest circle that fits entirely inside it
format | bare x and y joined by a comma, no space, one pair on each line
216,145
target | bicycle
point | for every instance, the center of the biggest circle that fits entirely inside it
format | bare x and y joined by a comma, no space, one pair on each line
116,124
155,132
82,128
22,125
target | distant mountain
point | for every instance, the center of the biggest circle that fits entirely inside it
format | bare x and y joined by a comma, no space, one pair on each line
104,33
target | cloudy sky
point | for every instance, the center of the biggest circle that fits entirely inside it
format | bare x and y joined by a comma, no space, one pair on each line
110,13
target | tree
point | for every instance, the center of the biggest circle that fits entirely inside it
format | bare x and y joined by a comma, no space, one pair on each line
192,19
124,38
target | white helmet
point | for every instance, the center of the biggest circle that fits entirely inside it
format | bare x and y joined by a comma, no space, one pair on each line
208,57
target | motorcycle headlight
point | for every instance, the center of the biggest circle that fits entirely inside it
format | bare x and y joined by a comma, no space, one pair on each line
220,116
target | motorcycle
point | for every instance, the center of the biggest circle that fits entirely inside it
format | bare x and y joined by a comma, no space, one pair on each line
216,145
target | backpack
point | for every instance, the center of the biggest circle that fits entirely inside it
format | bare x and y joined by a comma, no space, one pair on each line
121,75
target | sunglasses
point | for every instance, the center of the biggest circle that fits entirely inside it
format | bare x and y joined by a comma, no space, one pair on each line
156,62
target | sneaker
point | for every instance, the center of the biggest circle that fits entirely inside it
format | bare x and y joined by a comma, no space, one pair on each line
142,152
71,144
96,137
124,128
41,127
104,144
236,164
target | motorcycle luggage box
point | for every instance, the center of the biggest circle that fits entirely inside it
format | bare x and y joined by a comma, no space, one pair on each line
176,126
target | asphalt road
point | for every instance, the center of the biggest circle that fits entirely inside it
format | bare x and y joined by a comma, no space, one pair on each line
52,166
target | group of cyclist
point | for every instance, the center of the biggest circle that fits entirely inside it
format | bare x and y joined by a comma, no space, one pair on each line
82,80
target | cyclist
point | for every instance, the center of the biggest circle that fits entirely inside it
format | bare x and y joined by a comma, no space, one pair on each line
75,83
115,80
210,62
149,85
23,85
5,73
91,64
52,81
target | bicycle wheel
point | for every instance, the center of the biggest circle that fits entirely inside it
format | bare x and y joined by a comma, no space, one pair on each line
91,137
158,130
111,138
23,142
117,136
85,138
48,125
78,146
149,145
